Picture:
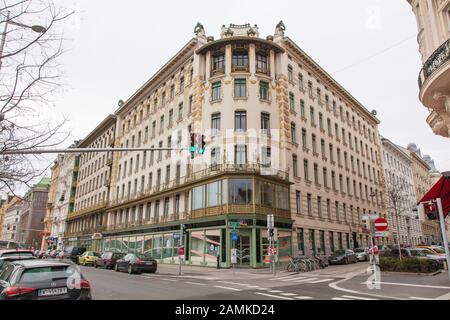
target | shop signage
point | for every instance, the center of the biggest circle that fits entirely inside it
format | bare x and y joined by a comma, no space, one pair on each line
176,236
97,236
234,224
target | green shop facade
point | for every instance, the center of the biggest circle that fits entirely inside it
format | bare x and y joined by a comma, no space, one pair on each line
242,208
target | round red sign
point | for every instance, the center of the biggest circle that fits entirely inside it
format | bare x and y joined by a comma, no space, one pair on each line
381,224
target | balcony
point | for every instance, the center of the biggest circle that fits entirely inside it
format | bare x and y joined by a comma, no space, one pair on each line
101,205
240,68
439,58
217,72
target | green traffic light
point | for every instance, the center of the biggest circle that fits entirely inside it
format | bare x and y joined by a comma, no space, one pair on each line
193,149
202,151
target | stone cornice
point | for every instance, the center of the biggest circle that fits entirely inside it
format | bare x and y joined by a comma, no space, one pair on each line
103,126
230,40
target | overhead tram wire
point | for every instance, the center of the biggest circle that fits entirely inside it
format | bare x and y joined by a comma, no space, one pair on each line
376,54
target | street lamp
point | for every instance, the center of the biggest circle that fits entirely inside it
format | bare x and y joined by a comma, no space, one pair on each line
35,28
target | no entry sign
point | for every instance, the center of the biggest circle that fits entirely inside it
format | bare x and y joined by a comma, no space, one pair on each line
381,224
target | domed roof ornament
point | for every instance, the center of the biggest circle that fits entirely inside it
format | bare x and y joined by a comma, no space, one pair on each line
229,33
251,32
199,30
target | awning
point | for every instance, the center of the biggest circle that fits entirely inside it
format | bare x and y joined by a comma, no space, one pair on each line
440,190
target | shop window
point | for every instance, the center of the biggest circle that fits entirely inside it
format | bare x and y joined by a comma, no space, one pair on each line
212,249
197,249
240,191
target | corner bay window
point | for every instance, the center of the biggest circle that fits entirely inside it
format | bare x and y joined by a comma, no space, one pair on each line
240,60
240,191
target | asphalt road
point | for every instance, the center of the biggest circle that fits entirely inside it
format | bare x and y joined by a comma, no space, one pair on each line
111,285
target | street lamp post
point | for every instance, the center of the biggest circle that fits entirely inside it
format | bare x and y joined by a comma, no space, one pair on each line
35,28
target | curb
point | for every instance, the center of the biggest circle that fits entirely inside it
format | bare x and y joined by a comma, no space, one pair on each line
412,273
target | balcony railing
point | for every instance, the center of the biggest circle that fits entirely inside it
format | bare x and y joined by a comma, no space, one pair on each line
83,211
240,68
436,60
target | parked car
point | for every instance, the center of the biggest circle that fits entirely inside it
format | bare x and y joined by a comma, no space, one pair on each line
16,252
416,253
88,258
54,254
135,263
436,249
42,280
343,257
6,259
72,253
108,260
362,254
432,254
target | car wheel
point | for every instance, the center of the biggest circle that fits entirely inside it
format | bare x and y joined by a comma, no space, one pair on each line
346,261
116,268
130,269
95,265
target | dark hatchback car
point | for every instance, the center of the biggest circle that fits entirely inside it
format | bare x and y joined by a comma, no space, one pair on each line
343,257
108,260
43,280
135,263
72,253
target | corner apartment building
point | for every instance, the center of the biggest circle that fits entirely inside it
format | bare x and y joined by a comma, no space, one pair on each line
401,199
31,224
433,22
424,179
284,138
90,186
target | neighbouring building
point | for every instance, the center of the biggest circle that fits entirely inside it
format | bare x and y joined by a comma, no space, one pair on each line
30,229
424,179
91,188
62,201
400,195
12,209
283,138
433,21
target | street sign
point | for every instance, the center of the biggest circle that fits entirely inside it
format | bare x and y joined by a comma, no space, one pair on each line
176,236
373,216
181,252
381,224
233,256
381,234
234,235
270,221
234,224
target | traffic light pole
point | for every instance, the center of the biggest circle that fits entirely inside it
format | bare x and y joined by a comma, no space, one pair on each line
444,233
181,246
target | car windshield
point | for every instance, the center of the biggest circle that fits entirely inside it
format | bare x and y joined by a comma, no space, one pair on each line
339,253
439,250
144,256
46,274
90,253
416,253
427,252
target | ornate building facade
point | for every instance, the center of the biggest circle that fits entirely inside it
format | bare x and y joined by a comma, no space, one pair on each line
401,199
12,208
433,21
283,138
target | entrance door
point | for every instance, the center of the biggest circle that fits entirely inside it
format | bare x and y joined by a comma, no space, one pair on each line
243,246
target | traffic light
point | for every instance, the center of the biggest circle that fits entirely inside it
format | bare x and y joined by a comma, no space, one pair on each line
193,145
271,233
183,229
203,145
431,210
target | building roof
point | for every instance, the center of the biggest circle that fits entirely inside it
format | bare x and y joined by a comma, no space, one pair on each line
104,125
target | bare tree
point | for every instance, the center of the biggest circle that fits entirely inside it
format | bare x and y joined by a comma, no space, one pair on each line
397,204
31,43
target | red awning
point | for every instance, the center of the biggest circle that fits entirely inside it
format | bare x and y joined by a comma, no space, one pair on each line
440,190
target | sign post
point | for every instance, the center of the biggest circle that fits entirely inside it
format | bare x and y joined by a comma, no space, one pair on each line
180,236
270,231
234,238
444,233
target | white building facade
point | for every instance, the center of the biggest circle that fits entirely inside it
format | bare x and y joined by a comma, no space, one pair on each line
400,195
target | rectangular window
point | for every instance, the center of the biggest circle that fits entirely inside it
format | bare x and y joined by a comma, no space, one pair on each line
264,90
240,121
215,123
266,157
311,112
293,133
190,104
240,191
261,63
218,64
240,154
302,109
216,91
294,165
180,111
301,242
170,118
298,202
306,169
291,102
240,88
265,123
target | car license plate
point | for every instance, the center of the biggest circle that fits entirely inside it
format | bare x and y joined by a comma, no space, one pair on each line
52,292
149,263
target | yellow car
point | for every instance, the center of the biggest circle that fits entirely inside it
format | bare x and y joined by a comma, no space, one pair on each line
436,249
88,258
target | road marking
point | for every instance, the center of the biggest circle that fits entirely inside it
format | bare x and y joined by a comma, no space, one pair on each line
420,298
275,291
171,280
321,280
337,298
286,277
288,294
306,280
444,297
358,298
272,296
196,283
408,285
303,298
228,288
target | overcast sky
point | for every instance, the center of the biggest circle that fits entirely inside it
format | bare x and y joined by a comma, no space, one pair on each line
369,47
